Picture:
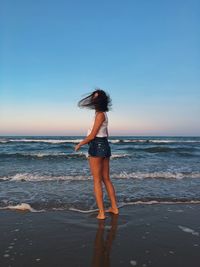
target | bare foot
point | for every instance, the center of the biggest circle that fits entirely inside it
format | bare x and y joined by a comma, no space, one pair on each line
101,216
113,210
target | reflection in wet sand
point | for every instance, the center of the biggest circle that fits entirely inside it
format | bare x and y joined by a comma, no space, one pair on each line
102,248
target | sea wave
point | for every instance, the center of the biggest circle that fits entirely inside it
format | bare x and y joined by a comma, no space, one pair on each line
160,149
36,177
50,141
30,207
57,155
113,141
125,141
160,201
155,149
175,141
159,175
39,177
41,155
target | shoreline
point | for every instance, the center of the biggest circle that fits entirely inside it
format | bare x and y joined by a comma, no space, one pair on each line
141,235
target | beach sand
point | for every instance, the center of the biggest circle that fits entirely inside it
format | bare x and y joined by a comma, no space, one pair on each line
155,235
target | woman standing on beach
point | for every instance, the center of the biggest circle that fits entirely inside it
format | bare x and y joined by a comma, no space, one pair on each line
99,151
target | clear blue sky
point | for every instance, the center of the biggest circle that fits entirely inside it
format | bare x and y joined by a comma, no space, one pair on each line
146,54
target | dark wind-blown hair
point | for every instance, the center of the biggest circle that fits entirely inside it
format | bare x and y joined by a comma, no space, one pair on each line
102,102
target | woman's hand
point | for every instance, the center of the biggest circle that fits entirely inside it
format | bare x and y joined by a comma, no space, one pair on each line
77,147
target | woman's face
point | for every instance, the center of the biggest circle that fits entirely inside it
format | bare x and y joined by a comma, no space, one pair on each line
95,95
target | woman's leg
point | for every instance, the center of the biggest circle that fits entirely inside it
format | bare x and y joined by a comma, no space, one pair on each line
109,186
96,164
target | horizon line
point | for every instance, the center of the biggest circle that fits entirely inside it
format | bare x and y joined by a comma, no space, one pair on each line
108,136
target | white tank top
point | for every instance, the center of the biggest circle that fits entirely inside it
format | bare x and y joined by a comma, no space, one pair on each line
103,129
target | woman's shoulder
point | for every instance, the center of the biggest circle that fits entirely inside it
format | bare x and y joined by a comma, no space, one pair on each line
100,114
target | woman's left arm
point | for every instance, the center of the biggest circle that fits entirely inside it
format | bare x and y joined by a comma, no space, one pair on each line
99,119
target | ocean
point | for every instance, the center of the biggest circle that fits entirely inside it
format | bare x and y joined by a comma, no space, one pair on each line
41,173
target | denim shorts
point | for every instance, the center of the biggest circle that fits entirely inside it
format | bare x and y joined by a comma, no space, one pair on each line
99,147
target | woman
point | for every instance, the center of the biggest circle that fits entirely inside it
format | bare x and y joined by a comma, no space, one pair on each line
99,151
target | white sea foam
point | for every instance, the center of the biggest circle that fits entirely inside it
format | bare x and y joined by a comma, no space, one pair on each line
114,156
134,140
151,202
38,177
174,141
164,174
22,206
114,141
121,175
60,141
133,262
188,230
27,207
53,141
153,141
43,154
57,154
83,211
169,141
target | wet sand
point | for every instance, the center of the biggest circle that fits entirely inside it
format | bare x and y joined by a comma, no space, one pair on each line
159,235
